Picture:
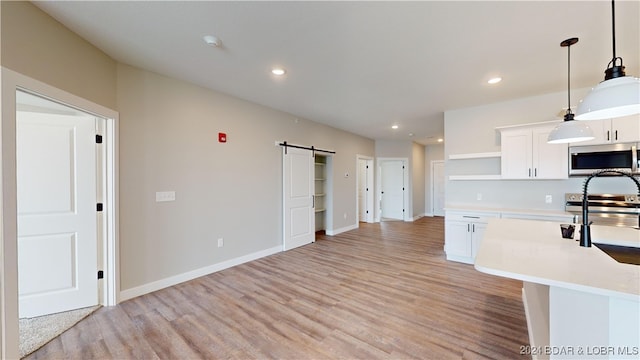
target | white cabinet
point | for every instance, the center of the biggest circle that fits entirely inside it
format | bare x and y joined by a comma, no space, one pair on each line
527,155
463,234
611,131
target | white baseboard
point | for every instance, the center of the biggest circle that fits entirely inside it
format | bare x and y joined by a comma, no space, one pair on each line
418,217
341,230
190,275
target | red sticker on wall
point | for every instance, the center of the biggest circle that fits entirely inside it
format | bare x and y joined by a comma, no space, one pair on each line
222,137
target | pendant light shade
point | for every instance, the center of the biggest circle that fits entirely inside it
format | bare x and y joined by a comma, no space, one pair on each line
569,130
611,98
618,95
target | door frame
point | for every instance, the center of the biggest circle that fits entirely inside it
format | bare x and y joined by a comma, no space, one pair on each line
405,163
433,192
11,82
370,208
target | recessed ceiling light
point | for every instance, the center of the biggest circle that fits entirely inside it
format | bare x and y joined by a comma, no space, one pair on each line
211,40
278,71
411,134
440,139
394,126
494,80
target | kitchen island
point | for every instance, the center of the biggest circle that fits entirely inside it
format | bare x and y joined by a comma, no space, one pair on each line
580,303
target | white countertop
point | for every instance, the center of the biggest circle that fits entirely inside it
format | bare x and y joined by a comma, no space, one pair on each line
534,212
534,251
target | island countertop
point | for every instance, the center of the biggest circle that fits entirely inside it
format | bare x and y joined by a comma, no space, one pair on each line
534,251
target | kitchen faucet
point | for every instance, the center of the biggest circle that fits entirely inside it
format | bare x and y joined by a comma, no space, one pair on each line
585,228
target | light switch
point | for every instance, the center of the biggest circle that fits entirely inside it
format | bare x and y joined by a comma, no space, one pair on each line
165,196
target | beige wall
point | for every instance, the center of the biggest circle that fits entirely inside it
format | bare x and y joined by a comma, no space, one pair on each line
36,45
418,179
168,141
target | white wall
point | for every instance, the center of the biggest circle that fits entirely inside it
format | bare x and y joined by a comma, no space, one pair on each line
473,130
168,141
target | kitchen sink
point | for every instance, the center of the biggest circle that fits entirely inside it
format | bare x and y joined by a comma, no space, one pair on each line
621,254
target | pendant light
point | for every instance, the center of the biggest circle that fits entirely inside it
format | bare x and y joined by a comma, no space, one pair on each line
569,130
618,95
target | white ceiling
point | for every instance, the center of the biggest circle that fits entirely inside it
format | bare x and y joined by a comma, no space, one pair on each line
363,66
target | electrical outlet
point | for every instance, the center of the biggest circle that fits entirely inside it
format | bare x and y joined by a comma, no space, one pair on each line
479,196
220,242
548,199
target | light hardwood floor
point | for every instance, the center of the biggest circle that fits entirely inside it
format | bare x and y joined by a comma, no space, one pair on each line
383,291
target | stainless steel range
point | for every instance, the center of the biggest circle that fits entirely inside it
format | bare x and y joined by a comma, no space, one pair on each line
606,209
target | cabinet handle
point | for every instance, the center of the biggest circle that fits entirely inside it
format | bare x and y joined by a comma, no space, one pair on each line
313,198
616,135
470,217
468,228
608,135
529,172
473,227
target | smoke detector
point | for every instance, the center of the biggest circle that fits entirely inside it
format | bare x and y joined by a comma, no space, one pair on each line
212,40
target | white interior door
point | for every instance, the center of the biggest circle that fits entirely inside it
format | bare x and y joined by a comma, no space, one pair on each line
298,192
362,190
56,202
392,185
437,179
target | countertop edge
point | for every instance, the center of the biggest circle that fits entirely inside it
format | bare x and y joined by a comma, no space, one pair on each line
562,284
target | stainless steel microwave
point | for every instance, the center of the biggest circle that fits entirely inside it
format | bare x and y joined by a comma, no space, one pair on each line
584,160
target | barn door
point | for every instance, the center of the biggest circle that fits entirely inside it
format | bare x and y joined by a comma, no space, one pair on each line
298,202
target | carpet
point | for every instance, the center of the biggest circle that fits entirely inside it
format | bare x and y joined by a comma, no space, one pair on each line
36,332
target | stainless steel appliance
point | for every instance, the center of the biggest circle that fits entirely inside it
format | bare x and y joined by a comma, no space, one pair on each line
606,209
584,160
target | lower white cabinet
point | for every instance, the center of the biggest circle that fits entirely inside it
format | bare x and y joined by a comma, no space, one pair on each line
463,232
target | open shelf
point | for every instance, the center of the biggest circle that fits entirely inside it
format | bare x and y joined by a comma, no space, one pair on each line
481,155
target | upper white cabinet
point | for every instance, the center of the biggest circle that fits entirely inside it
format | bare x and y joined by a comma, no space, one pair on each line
526,154
611,131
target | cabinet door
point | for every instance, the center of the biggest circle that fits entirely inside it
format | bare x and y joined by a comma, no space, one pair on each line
477,233
550,161
625,129
601,132
617,130
457,238
516,161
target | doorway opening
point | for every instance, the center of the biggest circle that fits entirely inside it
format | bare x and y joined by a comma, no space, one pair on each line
13,83
307,189
437,187
393,189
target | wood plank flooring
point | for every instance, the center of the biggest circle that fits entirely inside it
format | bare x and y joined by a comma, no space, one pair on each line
383,291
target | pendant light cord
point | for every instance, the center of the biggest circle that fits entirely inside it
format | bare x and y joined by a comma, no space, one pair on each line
614,69
613,29
569,79
567,43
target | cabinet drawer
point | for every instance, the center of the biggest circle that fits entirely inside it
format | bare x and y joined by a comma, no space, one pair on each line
470,217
